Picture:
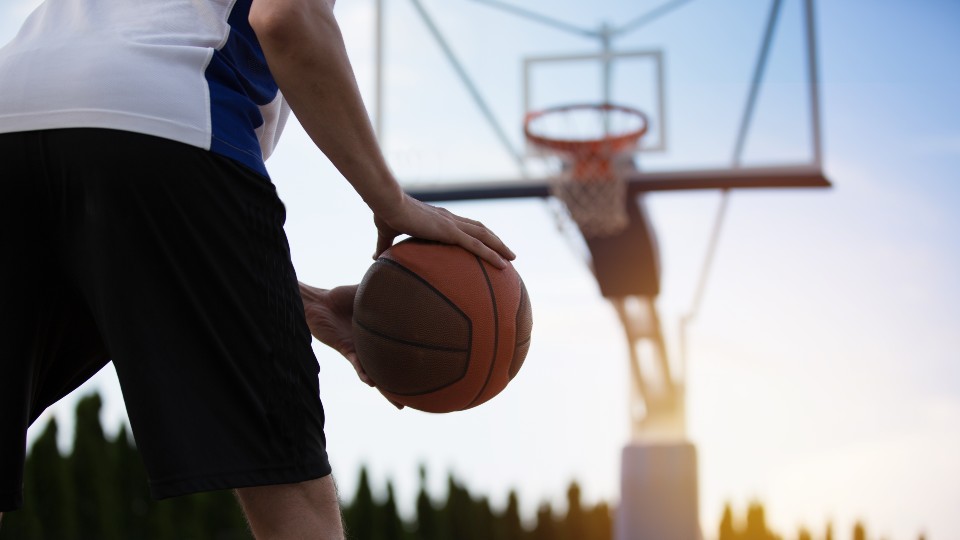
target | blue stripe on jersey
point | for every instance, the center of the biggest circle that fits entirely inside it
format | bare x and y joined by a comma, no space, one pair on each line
240,82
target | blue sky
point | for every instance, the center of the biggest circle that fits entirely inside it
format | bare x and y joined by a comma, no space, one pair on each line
824,367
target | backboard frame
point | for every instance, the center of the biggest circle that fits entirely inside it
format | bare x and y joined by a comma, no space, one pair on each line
737,176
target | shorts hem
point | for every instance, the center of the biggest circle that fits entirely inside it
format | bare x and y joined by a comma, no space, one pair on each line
164,489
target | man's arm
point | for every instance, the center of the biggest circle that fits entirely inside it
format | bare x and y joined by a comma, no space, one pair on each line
307,57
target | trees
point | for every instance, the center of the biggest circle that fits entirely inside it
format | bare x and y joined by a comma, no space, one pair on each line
99,490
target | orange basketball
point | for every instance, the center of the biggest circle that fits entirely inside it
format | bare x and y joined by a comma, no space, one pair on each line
438,329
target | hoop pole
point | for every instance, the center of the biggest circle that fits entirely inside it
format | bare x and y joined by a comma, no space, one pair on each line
814,80
650,16
378,72
470,86
605,35
540,18
758,72
661,107
694,310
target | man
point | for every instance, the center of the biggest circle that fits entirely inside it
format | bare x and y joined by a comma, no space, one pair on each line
137,224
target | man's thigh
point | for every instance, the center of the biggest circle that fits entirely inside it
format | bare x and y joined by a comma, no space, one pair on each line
182,257
179,259
49,343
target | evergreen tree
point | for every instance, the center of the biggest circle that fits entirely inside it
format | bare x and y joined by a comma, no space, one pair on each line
361,516
546,528
93,475
574,525
393,528
218,516
134,496
160,520
457,512
511,527
483,522
859,532
187,516
727,529
40,490
756,523
48,476
428,527
600,522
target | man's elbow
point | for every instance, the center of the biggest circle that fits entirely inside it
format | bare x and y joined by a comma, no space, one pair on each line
278,21
271,19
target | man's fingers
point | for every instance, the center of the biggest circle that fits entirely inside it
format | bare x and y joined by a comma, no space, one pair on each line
352,357
479,231
489,241
437,223
385,236
383,243
477,247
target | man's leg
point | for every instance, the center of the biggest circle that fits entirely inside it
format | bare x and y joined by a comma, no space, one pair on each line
295,511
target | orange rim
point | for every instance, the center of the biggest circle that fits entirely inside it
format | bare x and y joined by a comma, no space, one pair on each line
588,148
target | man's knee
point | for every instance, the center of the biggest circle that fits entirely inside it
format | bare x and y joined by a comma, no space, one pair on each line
304,510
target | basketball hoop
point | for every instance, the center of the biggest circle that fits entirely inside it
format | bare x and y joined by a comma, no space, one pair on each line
593,142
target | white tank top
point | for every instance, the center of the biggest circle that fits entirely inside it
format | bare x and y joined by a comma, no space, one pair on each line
187,70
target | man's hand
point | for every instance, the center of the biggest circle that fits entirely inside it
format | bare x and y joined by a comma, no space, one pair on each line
330,318
429,222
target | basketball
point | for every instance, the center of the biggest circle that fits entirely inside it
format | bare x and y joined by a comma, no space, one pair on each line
438,329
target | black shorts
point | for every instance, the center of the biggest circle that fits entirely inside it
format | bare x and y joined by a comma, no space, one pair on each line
172,262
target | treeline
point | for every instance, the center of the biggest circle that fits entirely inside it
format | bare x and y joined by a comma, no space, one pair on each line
463,516
753,526
99,491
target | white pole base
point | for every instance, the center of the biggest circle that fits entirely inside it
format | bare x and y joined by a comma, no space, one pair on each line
658,492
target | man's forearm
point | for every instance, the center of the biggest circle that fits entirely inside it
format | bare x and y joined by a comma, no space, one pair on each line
307,57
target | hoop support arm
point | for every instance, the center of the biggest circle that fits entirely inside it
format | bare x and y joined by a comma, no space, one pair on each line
746,178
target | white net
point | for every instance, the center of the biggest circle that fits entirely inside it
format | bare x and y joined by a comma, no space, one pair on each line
595,199
594,144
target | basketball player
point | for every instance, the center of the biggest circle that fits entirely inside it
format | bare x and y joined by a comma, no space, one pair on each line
138,224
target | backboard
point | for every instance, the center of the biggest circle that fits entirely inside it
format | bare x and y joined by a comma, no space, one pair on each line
730,90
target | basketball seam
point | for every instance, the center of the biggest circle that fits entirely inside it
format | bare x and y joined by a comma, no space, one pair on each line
525,343
469,351
516,318
496,333
408,342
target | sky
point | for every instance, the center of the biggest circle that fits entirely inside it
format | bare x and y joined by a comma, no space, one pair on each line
824,373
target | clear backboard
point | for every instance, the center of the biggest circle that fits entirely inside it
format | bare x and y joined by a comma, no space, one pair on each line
730,90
